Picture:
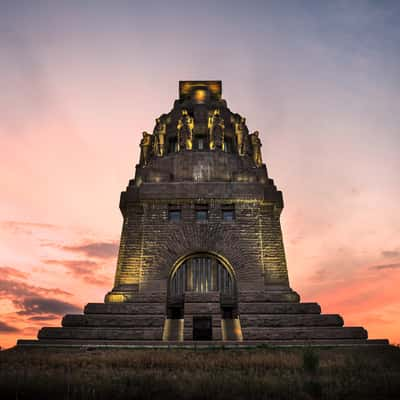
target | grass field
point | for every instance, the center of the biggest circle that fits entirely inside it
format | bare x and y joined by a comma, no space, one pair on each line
265,373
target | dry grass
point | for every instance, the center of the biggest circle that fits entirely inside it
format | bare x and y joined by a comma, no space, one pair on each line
344,373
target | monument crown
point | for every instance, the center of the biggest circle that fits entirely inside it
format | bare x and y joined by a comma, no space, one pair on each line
188,89
201,122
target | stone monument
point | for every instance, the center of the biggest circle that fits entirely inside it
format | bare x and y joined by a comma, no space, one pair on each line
201,255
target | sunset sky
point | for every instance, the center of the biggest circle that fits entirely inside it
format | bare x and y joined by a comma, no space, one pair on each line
80,81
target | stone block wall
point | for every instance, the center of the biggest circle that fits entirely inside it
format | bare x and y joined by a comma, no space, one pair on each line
151,244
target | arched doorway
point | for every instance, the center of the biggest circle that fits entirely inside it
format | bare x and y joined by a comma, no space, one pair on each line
201,273
205,278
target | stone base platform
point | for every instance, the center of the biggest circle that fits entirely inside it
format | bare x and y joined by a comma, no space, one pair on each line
143,344
262,319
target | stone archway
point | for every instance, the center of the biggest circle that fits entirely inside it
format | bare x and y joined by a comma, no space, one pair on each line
202,273
202,294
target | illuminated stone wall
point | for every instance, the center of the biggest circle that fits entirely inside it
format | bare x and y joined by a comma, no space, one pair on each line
200,153
151,243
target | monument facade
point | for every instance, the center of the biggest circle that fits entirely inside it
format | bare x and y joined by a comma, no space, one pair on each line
201,254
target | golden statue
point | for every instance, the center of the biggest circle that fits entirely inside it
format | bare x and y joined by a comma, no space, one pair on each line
160,132
216,129
145,147
240,132
185,131
256,148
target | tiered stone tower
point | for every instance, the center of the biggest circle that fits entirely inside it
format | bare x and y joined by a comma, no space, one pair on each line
201,254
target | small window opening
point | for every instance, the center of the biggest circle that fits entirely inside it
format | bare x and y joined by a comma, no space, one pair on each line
174,213
201,212
228,212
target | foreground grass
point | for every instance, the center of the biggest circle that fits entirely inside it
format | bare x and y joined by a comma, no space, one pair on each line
335,373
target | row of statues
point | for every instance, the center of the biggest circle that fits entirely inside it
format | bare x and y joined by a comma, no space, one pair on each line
156,144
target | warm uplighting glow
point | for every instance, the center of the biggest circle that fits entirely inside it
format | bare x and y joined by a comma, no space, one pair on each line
114,298
200,96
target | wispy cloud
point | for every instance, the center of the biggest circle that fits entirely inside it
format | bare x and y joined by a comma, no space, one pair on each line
87,270
5,328
40,305
9,272
95,249
390,253
42,318
35,301
17,290
25,227
386,266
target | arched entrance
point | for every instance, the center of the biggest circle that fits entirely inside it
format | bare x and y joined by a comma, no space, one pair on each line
202,298
201,273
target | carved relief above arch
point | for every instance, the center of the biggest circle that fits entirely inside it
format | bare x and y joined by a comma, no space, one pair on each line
196,239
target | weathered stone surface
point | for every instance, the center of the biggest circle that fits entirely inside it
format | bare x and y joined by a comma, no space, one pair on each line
149,297
273,297
125,308
116,320
303,333
279,308
101,333
210,297
226,344
202,308
282,320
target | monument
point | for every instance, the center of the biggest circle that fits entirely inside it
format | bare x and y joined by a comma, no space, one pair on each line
201,255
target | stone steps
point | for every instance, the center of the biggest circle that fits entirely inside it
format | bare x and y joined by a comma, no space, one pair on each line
125,308
112,320
279,308
289,320
101,333
304,333
198,344
269,297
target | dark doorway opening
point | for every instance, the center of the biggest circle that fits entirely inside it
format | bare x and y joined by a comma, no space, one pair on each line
202,328
227,313
175,312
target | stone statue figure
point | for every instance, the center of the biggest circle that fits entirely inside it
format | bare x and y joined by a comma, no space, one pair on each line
240,132
216,128
146,148
256,148
185,131
160,132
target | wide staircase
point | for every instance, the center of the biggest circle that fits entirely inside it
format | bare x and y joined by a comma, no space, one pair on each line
279,318
111,323
271,318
